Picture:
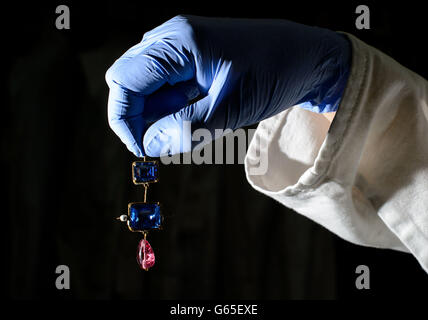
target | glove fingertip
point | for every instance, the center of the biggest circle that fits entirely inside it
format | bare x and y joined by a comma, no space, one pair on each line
136,150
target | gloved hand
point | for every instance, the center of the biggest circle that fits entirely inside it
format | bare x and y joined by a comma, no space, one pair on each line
220,73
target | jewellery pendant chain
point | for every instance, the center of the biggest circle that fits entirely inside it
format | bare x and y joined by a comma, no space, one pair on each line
144,216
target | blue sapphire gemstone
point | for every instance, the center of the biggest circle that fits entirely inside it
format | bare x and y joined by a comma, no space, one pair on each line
144,172
144,216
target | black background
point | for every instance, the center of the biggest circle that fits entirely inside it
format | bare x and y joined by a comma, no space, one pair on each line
67,176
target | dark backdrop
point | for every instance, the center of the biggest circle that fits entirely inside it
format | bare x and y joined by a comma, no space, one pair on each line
67,176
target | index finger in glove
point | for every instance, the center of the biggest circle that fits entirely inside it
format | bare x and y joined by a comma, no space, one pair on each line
163,57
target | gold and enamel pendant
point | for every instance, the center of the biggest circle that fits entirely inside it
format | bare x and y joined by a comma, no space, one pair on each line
144,216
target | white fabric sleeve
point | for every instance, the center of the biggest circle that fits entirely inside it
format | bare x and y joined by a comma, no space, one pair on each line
365,177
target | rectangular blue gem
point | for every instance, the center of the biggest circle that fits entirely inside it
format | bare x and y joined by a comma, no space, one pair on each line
144,216
144,171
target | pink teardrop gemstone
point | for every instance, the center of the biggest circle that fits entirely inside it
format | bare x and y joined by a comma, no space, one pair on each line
145,255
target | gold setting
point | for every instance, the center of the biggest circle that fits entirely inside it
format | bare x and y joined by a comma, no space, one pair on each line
156,163
144,231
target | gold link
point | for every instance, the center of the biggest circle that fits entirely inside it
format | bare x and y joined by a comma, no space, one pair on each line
146,187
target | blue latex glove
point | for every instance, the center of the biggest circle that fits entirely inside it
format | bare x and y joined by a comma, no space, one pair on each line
220,73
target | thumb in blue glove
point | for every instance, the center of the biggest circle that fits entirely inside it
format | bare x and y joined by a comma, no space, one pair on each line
218,74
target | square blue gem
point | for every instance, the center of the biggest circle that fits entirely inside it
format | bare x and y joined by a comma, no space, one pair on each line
144,171
144,216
